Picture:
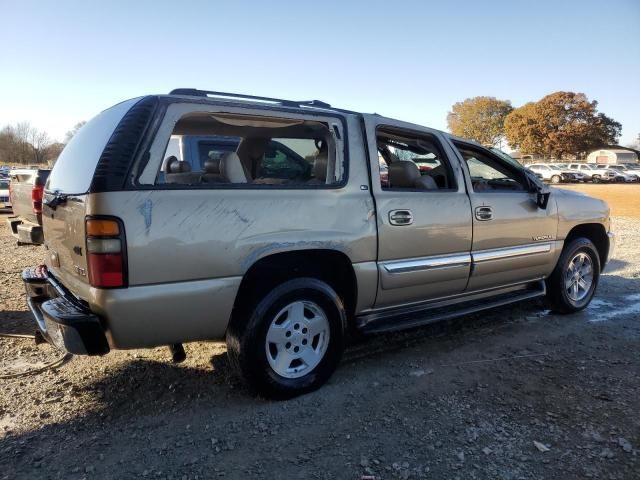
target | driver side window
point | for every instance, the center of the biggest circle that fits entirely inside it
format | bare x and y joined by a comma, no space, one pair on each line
489,173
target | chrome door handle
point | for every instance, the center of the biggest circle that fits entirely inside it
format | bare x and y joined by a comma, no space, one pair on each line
400,217
484,213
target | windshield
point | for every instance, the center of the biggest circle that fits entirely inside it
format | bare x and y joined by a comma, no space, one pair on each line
4,185
555,167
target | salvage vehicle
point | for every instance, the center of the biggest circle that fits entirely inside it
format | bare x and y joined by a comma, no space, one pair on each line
5,202
553,173
628,174
26,191
203,215
598,173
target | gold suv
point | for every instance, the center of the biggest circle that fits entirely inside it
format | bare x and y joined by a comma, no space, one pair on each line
283,226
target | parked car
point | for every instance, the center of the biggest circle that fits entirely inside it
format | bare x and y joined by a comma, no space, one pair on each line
628,174
583,175
552,173
5,202
146,249
26,190
598,173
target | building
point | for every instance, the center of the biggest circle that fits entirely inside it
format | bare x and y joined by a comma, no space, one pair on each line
613,155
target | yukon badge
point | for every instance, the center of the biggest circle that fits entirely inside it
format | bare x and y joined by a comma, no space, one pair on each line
540,238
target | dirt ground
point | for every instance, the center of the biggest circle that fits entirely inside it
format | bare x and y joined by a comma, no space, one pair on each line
623,199
515,393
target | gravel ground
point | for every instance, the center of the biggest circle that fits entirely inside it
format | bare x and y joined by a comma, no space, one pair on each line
516,393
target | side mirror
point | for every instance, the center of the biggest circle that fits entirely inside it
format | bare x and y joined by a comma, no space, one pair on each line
540,189
542,199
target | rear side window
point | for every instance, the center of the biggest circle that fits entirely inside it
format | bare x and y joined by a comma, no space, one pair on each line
77,163
218,149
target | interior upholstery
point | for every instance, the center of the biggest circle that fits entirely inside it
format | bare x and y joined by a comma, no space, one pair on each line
231,168
405,174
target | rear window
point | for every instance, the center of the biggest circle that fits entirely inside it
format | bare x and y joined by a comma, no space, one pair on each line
77,163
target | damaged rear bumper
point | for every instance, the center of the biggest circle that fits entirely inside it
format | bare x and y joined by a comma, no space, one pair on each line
61,318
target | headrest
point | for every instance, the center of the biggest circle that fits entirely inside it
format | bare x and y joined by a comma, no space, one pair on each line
212,165
320,166
231,168
403,174
174,165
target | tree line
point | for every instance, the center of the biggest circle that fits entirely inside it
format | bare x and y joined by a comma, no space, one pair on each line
558,125
23,144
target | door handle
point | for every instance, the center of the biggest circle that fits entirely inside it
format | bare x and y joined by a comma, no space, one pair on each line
400,217
484,213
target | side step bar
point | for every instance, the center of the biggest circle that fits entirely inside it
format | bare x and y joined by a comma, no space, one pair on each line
410,317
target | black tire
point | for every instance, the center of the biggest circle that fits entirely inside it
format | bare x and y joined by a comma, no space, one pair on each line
557,294
246,337
595,179
555,179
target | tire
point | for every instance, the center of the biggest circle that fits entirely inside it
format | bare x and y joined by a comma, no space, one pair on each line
555,179
595,179
566,294
274,369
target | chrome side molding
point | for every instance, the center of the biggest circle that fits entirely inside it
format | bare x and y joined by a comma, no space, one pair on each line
510,252
428,263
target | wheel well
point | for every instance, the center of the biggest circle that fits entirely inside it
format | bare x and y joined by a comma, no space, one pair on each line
331,266
594,232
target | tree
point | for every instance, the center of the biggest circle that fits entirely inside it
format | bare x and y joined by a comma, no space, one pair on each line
560,123
69,135
24,144
480,119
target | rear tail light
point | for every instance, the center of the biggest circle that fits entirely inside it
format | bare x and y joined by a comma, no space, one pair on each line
106,252
36,198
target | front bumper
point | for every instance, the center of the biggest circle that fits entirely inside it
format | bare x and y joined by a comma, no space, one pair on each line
61,318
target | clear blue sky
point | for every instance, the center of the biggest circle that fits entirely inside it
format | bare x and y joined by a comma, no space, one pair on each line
65,61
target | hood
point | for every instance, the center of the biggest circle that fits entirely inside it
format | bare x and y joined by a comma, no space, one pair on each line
579,206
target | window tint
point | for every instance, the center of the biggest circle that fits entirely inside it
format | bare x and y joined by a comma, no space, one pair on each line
218,149
74,169
412,161
490,173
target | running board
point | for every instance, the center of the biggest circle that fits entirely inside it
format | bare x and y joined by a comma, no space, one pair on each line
415,316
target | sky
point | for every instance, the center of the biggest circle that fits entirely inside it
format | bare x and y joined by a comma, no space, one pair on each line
64,61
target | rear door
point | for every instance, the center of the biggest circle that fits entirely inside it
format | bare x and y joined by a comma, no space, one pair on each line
424,235
514,240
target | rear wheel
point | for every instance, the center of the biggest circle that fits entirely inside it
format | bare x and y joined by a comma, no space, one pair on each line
595,179
291,341
555,179
573,282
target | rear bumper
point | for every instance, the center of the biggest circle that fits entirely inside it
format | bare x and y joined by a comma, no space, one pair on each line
60,317
26,232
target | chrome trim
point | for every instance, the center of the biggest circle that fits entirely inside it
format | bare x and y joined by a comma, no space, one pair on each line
510,252
428,263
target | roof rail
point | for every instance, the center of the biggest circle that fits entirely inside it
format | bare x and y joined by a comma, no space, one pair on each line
286,103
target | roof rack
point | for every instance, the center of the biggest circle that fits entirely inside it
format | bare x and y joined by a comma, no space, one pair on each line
285,103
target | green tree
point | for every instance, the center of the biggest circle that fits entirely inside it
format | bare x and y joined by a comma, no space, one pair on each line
480,119
559,124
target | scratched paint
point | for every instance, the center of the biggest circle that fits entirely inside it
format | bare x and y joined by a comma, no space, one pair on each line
146,209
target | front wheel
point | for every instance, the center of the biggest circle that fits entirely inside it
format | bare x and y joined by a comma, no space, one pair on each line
573,282
555,179
595,179
292,341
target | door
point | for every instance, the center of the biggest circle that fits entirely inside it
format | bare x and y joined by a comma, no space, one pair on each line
423,215
514,240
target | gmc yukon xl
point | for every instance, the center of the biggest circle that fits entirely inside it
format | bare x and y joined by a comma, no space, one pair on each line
203,215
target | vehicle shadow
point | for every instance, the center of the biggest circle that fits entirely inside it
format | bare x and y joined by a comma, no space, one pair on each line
17,322
163,416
